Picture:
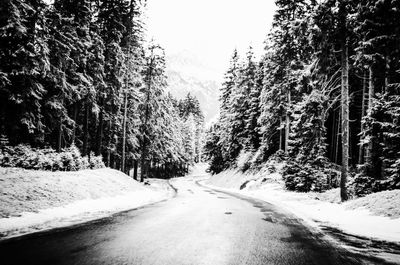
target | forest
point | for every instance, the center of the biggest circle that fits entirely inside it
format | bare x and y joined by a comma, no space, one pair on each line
78,80
325,98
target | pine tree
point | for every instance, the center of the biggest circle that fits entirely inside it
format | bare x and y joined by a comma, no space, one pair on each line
377,52
237,107
111,17
24,59
269,122
291,52
230,149
336,32
132,44
229,82
154,83
189,108
255,73
213,149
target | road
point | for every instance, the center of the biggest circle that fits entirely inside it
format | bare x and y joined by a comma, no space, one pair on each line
197,226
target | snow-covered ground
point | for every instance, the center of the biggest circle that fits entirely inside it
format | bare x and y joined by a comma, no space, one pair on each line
375,216
39,200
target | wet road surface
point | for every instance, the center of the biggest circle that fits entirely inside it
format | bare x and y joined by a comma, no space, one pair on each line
198,226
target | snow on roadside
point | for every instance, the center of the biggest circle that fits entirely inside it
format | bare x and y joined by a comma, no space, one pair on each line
385,203
357,217
358,221
38,200
198,169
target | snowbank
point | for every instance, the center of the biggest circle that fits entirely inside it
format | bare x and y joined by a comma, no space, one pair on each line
37,200
385,203
346,216
374,216
198,169
235,179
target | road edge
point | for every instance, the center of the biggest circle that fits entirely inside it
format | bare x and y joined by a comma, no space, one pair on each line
88,221
311,225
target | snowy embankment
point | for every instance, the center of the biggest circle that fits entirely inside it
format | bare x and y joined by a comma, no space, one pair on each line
31,201
374,216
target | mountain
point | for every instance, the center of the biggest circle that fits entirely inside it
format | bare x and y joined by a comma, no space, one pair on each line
187,74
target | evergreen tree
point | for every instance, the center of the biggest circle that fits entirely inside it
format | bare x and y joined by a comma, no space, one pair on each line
213,149
75,73
154,83
230,146
111,17
329,79
189,109
24,59
379,28
253,76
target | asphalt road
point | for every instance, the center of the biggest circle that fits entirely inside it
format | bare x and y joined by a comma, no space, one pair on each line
198,226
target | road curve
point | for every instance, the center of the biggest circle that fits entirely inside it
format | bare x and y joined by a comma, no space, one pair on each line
198,226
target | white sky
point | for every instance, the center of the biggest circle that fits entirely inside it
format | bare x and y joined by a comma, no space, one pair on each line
210,29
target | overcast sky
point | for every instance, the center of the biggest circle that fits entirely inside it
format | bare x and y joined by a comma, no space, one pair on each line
210,29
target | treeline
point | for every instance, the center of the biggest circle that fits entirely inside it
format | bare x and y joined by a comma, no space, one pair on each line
79,73
325,95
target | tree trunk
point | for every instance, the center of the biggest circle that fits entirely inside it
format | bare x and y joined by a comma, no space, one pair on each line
115,132
146,118
109,145
363,113
86,130
115,154
345,120
287,125
59,136
75,117
124,132
281,134
387,69
100,132
338,132
148,167
135,169
143,161
333,137
371,93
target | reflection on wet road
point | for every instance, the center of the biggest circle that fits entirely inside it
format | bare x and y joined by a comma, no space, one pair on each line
198,226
